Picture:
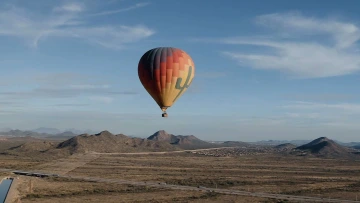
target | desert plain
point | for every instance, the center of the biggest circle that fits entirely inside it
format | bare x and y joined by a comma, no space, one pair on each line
148,176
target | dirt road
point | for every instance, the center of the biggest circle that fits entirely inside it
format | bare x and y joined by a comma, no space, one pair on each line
168,152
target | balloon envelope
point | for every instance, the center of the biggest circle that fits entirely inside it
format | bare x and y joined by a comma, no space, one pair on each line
166,73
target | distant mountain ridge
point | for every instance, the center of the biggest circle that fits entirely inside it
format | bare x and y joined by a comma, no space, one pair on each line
78,132
20,133
54,133
42,132
278,142
47,130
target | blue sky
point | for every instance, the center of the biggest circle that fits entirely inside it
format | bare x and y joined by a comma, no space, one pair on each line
276,70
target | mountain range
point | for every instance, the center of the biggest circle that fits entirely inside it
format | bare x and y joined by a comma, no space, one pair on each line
56,134
106,142
48,133
26,133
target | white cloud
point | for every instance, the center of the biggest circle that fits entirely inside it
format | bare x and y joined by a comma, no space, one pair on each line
83,87
302,115
61,79
342,107
112,36
344,34
211,74
5,112
321,97
262,121
102,99
71,7
32,27
305,50
344,115
61,90
308,115
282,119
138,5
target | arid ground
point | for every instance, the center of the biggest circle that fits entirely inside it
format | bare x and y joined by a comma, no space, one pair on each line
327,178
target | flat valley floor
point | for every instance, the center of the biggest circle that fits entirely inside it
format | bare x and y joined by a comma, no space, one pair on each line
291,175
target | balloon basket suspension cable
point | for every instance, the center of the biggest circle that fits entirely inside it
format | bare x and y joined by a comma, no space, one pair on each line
164,114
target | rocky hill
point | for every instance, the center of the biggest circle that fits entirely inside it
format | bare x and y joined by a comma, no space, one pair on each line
29,147
191,142
103,142
181,141
23,139
9,142
162,135
324,147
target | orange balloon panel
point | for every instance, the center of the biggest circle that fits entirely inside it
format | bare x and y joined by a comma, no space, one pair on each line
166,73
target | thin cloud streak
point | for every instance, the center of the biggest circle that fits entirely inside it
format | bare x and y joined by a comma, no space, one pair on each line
71,7
60,93
321,97
33,27
102,99
138,5
344,34
348,107
296,55
71,105
211,74
67,88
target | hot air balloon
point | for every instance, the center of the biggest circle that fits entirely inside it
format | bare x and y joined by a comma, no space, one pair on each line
166,73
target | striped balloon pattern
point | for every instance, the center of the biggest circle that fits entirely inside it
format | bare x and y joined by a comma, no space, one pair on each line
166,73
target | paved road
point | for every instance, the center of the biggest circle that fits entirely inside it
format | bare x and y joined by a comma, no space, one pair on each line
222,191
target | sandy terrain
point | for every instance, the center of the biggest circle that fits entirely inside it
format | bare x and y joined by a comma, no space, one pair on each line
313,177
